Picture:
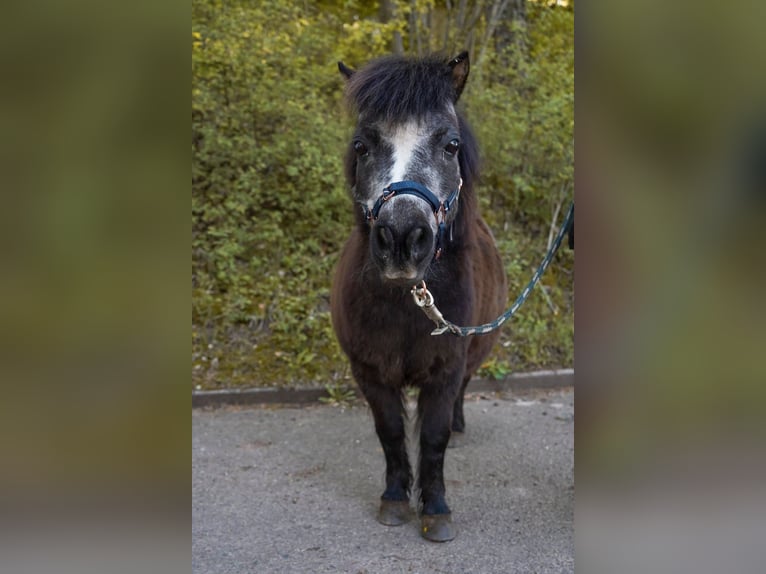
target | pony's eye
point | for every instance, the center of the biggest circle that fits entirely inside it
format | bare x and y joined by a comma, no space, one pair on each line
360,148
452,147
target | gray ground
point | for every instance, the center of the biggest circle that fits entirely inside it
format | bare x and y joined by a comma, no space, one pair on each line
296,490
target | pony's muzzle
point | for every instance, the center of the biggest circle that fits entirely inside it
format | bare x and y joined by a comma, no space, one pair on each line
401,251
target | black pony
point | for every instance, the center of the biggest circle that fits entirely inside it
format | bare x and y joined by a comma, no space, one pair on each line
412,165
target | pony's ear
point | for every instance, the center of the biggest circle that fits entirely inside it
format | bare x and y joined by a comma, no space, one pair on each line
345,70
459,68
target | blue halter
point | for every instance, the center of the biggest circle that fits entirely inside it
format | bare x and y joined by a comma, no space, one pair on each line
440,209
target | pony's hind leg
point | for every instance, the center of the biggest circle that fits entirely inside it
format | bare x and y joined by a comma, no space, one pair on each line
458,419
435,408
457,438
388,412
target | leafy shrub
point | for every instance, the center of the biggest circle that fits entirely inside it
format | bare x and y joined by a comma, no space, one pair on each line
270,210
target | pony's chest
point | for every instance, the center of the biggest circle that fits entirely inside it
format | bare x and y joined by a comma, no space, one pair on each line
402,350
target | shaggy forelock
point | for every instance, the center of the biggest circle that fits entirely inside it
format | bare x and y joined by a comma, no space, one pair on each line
394,88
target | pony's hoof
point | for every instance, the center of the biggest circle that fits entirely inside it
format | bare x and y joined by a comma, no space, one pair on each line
394,512
437,527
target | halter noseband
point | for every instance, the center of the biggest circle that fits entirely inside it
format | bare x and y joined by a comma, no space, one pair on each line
440,209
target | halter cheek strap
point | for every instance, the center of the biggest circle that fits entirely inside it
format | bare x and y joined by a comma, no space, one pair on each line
440,209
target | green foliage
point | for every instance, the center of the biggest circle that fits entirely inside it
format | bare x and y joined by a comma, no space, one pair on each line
338,395
270,210
494,369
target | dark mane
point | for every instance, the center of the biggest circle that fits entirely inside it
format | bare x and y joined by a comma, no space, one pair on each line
468,157
396,88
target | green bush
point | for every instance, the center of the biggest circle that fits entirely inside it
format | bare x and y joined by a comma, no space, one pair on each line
270,209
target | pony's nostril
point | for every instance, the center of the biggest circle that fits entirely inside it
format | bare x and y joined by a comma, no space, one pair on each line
418,241
414,238
384,237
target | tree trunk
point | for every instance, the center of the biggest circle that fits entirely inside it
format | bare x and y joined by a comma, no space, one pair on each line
508,32
387,13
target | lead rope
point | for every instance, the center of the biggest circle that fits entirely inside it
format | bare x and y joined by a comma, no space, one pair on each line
425,299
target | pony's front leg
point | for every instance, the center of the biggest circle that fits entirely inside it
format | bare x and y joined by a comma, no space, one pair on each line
435,408
388,412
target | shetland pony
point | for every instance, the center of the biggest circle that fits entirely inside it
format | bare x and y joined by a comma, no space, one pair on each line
411,166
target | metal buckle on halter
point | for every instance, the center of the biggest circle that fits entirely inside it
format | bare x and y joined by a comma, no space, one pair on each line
441,213
387,194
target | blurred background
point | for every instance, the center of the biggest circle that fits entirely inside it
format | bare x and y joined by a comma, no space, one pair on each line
671,116
670,383
94,435
270,206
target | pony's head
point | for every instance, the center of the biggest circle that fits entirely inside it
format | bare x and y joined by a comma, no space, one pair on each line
408,158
